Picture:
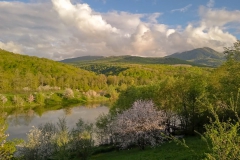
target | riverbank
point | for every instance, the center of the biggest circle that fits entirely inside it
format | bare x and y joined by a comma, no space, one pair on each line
40,102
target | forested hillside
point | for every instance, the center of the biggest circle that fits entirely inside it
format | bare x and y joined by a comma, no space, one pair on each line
19,72
204,56
129,60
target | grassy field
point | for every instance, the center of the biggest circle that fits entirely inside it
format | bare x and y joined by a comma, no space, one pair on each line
167,151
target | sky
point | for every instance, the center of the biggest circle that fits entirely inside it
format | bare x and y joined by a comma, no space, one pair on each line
60,29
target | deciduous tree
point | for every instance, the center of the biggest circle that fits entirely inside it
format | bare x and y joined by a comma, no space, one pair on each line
140,125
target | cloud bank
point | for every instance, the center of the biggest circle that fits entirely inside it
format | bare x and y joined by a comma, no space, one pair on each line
60,29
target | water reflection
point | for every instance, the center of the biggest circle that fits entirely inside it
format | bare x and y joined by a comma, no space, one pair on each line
20,124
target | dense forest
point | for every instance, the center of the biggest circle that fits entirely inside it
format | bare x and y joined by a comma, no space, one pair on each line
20,71
151,104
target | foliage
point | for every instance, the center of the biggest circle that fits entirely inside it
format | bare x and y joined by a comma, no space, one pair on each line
182,103
103,69
233,52
22,73
40,98
38,145
7,148
223,138
104,129
140,125
18,101
82,142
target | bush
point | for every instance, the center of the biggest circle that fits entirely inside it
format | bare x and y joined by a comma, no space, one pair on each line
223,138
68,93
40,98
141,125
104,129
82,140
54,141
7,148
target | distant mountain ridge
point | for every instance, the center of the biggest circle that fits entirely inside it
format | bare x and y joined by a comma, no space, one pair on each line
83,58
196,57
204,56
129,59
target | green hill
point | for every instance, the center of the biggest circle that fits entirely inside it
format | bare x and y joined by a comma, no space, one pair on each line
128,60
83,58
204,56
21,71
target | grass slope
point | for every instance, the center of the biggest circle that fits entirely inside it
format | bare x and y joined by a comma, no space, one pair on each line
168,151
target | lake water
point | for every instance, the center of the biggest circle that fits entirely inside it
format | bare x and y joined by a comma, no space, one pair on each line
20,124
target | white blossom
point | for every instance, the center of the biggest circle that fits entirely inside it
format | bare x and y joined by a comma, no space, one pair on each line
140,125
68,93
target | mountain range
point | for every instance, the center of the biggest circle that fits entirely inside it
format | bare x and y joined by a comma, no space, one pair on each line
204,56
196,57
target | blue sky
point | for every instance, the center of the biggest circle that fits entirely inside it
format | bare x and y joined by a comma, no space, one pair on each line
59,29
166,7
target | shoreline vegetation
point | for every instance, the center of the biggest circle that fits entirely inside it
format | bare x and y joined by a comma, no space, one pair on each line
49,100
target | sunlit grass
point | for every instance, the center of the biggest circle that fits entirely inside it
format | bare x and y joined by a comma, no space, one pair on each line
170,151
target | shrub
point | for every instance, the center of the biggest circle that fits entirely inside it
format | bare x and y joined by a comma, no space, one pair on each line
40,98
54,141
68,93
31,98
140,125
223,138
3,99
18,101
104,129
82,140
7,148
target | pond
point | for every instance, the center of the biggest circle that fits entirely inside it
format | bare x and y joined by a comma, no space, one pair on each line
20,124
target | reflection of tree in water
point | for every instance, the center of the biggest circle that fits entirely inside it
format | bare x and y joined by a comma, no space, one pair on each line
39,110
3,114
68,111
28,117
92,105
18,117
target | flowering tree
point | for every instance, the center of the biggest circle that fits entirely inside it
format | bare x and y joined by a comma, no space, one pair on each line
140,125
31,98
51,141
68,93
39,145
